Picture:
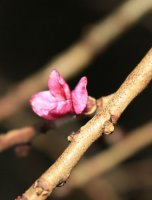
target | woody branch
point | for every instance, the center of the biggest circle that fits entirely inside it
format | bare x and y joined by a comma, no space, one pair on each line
102,122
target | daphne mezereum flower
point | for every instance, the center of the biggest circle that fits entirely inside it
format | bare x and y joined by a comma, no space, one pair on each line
59,100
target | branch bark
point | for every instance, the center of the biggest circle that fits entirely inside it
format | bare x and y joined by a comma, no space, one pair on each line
78,56
102,122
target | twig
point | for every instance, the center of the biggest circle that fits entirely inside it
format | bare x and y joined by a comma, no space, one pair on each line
102,122
78,56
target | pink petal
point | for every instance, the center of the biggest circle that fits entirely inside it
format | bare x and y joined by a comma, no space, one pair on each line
42,103
62,108
80,96
46,106
58,86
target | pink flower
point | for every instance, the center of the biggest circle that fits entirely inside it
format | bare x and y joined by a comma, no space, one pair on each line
59,100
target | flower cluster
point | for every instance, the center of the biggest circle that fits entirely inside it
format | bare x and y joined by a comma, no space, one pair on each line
59,100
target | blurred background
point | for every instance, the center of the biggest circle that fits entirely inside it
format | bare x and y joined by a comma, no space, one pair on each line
31,34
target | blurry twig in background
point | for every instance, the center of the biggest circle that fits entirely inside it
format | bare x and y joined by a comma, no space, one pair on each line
133,176
78,56
18,136
102,122
22,135
99,189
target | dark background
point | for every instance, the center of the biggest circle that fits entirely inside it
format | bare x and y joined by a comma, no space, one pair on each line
31,32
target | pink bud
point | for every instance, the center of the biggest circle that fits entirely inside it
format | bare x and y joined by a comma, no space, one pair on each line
59,100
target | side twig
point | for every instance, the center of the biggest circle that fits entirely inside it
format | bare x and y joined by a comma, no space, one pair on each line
78,56
102,122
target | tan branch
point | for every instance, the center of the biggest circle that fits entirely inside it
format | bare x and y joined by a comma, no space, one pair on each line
103,121
78,56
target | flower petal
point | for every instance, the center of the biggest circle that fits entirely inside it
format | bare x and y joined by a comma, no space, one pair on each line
46,106
62,108
80,96
58,86
42,103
